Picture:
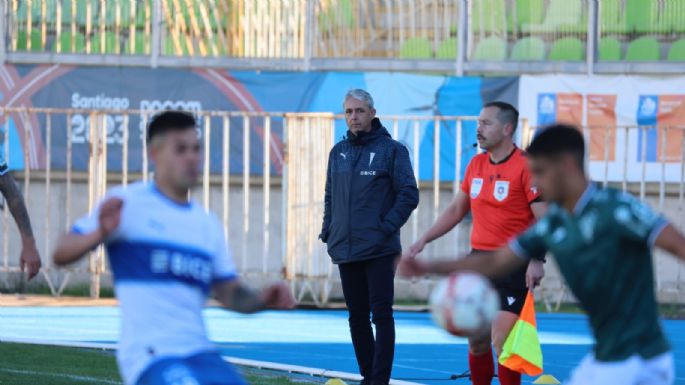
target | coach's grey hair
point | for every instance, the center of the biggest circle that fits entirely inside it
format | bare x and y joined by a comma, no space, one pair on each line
360,95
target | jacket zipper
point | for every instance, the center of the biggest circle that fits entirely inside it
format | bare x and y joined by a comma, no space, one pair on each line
349,204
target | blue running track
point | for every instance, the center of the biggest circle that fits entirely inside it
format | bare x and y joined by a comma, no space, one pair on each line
320,339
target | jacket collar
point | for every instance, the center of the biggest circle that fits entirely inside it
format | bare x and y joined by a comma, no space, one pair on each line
364,138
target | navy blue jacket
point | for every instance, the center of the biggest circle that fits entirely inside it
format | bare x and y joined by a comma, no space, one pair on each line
370,193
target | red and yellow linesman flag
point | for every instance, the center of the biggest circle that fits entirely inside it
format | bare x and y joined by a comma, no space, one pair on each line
522,351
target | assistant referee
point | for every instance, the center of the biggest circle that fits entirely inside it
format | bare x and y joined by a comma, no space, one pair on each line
498,190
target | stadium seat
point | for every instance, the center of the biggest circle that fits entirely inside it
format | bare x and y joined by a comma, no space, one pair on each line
527,12
66,39
23,41
677,51
23,12
169,48
643,49
672,18
491,49
641,15
612,18
335,13
124,8
221,48
81,12
416,48
567,49
447,49
111,45
488,16
143,12
562,16
138,45
609,49
528,49
36,11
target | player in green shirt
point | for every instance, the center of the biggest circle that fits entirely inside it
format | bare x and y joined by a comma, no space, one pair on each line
602,241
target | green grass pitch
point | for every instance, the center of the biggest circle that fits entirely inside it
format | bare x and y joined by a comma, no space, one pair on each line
25,364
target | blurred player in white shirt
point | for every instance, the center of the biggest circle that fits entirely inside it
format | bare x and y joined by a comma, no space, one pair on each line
167,254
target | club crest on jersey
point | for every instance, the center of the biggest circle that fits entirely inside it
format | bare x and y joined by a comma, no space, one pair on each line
476,186
501,190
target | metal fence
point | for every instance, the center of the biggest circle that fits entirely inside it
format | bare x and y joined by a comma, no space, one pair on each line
263,175
577,36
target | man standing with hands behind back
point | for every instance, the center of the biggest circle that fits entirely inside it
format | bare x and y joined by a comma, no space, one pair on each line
370,193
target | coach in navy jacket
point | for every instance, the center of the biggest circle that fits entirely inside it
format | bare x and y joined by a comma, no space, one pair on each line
370,193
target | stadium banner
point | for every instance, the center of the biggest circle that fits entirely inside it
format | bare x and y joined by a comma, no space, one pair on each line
203,89
627,118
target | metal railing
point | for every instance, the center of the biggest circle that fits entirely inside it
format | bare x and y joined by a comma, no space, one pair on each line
263,175
459,36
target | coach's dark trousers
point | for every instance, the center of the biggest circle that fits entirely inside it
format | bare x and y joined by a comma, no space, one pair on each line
368,289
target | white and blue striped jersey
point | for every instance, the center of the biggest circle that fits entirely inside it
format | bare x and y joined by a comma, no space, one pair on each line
164,257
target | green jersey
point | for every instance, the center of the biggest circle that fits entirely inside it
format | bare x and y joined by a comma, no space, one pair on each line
603,250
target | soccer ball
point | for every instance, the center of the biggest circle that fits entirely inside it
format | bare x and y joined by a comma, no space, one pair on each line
464,304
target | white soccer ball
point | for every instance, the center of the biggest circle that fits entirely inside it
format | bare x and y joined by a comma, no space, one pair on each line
464,304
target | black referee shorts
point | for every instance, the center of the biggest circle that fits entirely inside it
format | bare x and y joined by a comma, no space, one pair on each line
511,289
511,300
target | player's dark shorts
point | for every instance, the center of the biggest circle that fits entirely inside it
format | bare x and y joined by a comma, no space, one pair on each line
511,289
206,368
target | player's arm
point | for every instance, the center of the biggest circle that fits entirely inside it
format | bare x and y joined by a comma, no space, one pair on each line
671,240
72,247
29,257
637,222
449,218
406,192
493,264
536,269
539,209
233,295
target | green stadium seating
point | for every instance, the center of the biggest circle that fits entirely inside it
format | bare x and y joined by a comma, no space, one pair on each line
22,12
124,7
643,49
528,12
672,18
641,15
335,13
23,40
170,49
66,39
111,44
221,48
447,49
567,49
488,16
138,45
609,49
677,51
416,48
81,12
562,16
141,9
36,11
528,49
612,18
490,49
